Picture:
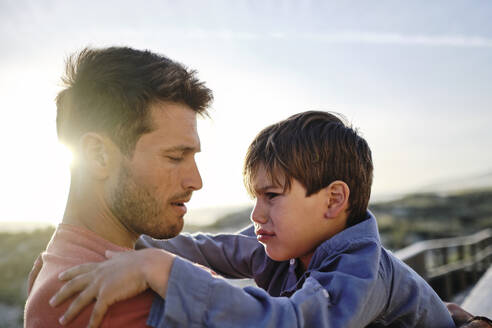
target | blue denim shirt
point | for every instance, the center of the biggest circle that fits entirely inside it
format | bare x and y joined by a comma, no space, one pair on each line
351,281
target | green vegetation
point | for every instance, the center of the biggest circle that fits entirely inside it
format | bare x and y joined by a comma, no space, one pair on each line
17,254
428,216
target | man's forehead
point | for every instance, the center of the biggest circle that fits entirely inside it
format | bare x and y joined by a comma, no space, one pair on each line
174,129
167,111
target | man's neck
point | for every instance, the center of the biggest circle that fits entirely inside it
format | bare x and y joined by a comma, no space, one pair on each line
90,211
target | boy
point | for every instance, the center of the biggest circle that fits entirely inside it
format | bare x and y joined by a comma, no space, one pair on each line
317,250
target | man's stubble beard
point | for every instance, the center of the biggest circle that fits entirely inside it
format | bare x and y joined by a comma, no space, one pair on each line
138,209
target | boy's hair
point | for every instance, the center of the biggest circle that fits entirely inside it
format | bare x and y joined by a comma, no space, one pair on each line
315,148
110,91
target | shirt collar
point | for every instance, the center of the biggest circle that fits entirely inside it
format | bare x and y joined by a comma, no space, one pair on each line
364,230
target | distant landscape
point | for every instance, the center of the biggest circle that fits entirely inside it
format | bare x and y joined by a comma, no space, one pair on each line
402,222
17,254
406,220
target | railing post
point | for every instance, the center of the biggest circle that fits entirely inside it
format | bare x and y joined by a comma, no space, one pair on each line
448,286
461,252
473,249
444,255
451,264
417,262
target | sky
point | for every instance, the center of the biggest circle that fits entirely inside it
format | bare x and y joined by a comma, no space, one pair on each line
415,77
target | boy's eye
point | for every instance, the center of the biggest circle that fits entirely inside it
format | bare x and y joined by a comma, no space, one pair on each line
271,195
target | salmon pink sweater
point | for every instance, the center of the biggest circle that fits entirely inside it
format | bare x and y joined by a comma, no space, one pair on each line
69,246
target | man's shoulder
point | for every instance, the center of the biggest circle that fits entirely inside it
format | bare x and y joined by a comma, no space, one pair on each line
38,313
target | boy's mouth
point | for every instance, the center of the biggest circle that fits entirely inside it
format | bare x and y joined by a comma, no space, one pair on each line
264,235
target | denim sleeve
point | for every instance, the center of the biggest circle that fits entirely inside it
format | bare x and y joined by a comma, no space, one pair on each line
196,299
411,300
230,255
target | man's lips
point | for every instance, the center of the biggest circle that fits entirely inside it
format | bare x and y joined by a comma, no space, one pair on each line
180,201
179,205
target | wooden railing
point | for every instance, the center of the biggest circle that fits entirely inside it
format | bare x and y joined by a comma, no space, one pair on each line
450,265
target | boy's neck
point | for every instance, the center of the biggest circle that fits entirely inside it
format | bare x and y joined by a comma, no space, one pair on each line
304,262
340,223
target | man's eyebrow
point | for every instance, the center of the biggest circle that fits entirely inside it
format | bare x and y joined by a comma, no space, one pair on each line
182,148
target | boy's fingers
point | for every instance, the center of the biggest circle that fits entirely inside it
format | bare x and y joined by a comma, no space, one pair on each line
97,315
110,254
76,270
73,286
212,272
78,304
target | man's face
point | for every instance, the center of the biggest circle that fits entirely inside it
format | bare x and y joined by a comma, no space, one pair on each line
153,185
287,223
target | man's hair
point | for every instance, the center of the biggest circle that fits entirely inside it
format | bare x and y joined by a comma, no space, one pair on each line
110,91
315,148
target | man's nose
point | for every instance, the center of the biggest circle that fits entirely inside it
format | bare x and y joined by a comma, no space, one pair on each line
258,215
193,179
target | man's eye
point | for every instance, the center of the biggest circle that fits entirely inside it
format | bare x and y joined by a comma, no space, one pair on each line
175,159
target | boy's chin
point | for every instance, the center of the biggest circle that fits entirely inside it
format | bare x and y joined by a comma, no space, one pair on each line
277,257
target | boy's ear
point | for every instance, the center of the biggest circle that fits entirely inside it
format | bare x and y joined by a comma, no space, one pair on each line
337,198
96,154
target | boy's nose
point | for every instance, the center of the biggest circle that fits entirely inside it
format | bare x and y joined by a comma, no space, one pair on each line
258,214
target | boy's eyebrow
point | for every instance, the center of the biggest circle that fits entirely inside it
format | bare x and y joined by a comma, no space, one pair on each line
262,189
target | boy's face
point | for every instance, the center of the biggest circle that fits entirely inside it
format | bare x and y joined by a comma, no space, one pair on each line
289,224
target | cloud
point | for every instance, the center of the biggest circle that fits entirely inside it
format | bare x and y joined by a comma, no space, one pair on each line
395,38
349,37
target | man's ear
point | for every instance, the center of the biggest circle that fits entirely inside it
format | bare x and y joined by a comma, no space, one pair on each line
96,154
337,198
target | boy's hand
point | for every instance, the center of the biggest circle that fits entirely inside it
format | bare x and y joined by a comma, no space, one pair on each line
123,276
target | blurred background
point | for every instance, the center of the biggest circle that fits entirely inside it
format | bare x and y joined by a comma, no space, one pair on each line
414,77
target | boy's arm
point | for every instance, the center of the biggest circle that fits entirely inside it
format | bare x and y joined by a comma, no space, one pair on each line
342,294
194,298
230,255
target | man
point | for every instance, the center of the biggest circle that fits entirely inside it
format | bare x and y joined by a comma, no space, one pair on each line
129,117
